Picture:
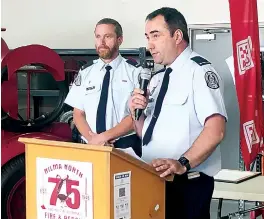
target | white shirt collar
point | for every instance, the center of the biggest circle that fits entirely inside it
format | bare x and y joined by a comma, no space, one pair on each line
114,64
181,59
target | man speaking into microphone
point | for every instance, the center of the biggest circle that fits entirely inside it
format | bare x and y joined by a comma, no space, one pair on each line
184,117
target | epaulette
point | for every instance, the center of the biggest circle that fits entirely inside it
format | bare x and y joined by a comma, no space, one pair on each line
200,60
89,63
133,62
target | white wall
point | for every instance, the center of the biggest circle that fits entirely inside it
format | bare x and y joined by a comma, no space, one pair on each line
69,24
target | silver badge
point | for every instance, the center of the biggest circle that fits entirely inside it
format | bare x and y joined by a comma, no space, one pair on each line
212,80
78,80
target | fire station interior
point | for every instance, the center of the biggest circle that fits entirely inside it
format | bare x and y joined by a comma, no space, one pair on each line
32,106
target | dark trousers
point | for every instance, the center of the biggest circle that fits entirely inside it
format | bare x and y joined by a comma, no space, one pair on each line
189,198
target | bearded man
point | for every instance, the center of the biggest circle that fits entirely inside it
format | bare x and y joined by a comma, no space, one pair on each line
101,91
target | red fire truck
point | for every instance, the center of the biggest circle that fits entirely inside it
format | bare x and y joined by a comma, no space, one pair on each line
32,121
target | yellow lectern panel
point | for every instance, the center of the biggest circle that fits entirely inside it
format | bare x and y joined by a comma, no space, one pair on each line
76,181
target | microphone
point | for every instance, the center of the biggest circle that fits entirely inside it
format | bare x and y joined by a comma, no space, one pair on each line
144,78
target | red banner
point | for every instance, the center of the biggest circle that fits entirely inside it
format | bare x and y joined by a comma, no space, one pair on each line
246,52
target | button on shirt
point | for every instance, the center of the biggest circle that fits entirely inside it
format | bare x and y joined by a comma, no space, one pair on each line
86,96
188,102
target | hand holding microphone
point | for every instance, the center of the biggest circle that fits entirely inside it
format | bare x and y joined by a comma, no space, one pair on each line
139,99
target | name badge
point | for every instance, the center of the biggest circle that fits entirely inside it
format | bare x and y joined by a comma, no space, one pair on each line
92,88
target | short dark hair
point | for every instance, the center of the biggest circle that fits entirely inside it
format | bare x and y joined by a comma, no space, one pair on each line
174,19
118,28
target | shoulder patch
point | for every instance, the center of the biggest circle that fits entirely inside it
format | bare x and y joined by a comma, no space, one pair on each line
212,80
133,62
200,60
78,80
89,63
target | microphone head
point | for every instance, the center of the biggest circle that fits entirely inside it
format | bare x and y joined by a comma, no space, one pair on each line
145,74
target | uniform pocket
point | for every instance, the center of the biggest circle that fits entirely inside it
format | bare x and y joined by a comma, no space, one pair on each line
123,85
177,98
91,98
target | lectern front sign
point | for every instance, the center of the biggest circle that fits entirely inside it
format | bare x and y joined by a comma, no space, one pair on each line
64,189
77,181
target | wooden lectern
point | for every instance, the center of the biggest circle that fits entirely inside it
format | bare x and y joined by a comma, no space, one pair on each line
77,181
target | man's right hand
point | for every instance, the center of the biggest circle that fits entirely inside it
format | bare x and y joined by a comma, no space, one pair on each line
137,101
97,139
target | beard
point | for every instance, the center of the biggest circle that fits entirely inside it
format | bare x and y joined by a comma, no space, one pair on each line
105,52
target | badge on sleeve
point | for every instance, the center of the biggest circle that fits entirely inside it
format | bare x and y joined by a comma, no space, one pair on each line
78,80
212,80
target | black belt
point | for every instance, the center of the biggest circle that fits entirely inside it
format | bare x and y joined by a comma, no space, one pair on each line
192,175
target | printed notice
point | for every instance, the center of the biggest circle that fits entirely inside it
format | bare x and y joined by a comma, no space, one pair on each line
64,189
122,195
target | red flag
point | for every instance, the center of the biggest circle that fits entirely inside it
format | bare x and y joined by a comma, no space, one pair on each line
246,51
